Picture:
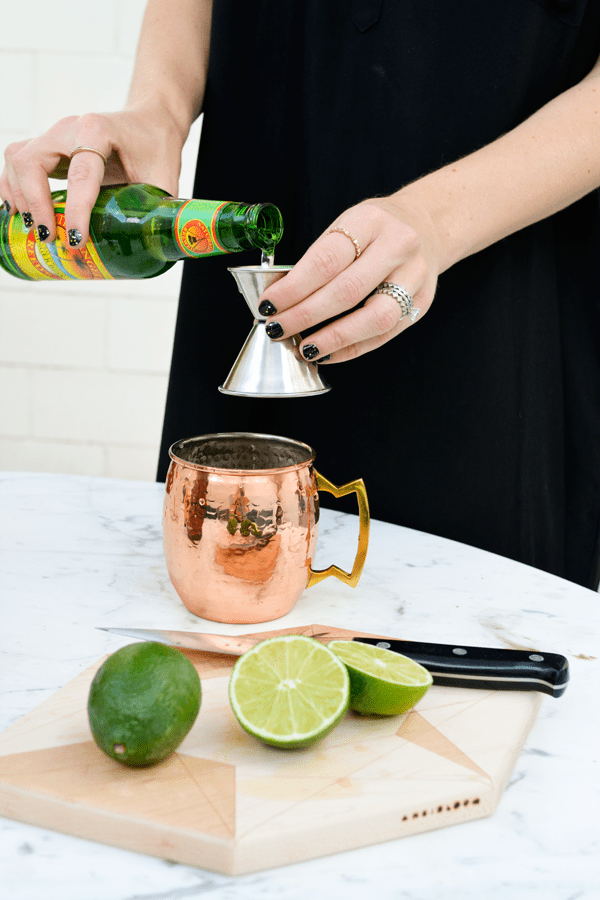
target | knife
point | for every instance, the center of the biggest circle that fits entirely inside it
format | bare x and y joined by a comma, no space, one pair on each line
450,664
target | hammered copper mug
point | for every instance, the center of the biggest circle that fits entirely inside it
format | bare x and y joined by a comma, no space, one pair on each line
240,525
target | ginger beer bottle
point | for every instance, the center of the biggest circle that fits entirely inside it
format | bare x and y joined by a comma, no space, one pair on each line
137,231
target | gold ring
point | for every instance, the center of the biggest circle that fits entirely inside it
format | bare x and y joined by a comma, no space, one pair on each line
89,150
357,249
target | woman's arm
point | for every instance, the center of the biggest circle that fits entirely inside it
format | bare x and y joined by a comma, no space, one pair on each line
545,164
542,166
142,142
172,60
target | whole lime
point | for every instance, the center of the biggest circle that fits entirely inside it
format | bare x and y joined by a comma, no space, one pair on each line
142,702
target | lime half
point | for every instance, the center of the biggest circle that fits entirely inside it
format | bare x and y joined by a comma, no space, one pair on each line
289,691
382,682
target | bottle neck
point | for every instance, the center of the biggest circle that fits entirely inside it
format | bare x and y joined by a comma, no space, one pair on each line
195,229
207,228
244,226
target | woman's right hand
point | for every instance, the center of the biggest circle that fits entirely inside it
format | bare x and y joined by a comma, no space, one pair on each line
140,145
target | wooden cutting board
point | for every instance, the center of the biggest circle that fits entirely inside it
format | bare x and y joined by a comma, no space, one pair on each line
227,803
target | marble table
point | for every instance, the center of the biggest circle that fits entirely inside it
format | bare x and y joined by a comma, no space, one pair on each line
82,552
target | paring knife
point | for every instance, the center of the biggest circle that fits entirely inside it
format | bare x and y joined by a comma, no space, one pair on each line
450,664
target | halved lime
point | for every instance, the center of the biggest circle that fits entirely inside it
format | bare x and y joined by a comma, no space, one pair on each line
382,682
289,691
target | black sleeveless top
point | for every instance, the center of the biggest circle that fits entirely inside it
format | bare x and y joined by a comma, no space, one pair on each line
481,423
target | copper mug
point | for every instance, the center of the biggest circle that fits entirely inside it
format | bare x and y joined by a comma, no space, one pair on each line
240,525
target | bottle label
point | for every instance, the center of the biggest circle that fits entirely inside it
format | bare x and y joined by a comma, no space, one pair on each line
39,261
196,228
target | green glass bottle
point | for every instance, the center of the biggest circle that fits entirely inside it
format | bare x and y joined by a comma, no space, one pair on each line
137,231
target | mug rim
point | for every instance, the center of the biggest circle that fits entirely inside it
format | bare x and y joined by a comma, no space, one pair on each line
241,434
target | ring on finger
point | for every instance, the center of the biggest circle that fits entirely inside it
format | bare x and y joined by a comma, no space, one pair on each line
88,150
401,296
340,230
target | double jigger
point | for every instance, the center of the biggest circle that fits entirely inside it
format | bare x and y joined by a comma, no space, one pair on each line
267,368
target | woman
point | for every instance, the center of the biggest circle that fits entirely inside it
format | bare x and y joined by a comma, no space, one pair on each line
477,135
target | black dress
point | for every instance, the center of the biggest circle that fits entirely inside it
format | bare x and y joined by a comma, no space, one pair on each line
481,423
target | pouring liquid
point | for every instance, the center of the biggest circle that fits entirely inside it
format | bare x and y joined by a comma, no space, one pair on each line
267,258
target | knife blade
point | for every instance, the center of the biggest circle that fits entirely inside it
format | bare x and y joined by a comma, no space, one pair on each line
451,665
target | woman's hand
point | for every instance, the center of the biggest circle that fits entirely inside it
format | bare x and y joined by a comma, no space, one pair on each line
397,244
140,145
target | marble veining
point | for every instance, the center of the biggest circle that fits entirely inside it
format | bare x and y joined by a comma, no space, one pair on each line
83,552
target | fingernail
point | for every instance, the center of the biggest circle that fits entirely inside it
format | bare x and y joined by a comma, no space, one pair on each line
324,358
266,308
27,220
43,232
309,351
274,330
7,206
74,237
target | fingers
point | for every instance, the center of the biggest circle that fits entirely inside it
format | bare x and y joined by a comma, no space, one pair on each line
329,256
137,148
29,164
379,319
86,173
335,280
27,191
377,322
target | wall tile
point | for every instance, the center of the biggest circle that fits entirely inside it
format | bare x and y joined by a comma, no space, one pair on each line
15,401
140,334
16,106
98,406
39,329
39,25
95,84
137,463
52,456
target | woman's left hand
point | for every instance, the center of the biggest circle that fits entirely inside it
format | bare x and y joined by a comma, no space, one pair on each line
397,244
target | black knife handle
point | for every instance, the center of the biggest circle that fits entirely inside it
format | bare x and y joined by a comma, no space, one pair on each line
456,665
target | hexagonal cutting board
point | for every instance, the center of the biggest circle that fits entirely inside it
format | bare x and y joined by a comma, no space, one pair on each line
225,802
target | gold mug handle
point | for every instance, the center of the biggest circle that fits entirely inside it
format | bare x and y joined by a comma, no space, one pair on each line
357,487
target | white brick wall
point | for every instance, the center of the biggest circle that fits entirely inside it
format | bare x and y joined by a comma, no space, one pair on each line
83,367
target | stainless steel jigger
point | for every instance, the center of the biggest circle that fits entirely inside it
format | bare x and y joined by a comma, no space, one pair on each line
267,368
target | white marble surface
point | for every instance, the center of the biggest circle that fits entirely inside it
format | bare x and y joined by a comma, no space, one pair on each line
81,552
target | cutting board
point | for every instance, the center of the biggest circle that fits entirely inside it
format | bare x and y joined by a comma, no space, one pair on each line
225,802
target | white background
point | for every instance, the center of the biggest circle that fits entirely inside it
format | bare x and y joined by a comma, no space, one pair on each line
83,365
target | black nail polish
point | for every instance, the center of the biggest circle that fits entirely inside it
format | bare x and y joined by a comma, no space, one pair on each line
27,220
266,308
7,206
274,330
324,358
74,237
309,351
43,232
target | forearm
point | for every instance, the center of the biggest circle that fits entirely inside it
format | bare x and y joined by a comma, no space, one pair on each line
172,59
542,166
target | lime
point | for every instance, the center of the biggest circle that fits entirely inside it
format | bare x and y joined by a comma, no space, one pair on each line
142,702
382,682
289,691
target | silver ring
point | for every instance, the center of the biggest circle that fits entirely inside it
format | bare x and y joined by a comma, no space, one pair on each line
357,249
401,296
88,150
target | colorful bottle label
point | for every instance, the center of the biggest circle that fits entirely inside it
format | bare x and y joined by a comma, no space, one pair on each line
196,228
38,260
